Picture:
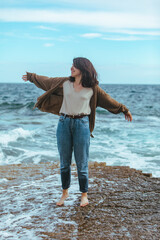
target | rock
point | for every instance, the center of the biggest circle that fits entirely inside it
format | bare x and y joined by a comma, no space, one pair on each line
123,204
147,174
96,164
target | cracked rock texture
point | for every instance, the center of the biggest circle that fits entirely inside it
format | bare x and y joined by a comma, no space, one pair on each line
124,203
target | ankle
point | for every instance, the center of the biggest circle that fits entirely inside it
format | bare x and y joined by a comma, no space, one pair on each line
65,192
84,194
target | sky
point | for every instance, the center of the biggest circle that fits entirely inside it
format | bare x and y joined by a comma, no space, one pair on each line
120,37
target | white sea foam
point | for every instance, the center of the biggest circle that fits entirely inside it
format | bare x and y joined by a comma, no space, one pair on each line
20,153
2,180
14,134
1,155
120,154
153,118
19,212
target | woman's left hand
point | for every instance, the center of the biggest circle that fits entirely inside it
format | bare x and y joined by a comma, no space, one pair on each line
128,116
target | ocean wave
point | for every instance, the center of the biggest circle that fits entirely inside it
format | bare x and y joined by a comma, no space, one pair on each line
15,134
153,118
101,111
25,134
13,106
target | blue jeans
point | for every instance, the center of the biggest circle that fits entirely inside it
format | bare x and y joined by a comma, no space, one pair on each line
73,135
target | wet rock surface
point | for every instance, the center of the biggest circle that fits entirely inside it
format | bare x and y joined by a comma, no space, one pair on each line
124,204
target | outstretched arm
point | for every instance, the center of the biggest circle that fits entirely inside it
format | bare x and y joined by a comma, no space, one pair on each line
105,101
42,82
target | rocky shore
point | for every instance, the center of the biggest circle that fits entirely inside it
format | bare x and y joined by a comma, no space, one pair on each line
124,204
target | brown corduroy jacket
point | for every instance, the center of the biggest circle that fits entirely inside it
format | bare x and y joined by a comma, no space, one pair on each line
51,100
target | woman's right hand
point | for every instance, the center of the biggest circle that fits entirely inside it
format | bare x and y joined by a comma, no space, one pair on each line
24,77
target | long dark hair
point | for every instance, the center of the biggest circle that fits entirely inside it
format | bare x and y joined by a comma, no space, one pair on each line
89,74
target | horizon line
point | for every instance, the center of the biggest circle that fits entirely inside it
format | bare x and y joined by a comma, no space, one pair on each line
99,83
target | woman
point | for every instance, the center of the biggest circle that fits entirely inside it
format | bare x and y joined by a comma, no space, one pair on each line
75,99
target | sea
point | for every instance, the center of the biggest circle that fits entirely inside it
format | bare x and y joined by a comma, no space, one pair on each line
29,136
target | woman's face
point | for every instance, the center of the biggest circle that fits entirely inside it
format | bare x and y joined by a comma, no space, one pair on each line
75,72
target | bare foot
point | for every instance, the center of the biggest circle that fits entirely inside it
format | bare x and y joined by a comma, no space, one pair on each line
84,200
64,196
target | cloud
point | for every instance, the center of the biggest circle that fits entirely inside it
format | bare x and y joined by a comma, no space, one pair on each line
125,38
46,28
91,35
134,32
123,35
106,20
43,38
140,6
118,5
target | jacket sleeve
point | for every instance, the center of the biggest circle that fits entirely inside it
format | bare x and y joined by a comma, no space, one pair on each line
42,82
105,101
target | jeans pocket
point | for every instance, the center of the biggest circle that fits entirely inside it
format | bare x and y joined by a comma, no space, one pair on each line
84,120
61,118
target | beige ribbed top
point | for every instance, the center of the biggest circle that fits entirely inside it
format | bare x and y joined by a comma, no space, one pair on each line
74,102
